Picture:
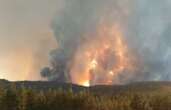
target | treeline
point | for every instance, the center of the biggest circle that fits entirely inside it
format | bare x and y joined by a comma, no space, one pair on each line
27,99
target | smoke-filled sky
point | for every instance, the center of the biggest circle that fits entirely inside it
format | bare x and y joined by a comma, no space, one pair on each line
26,37
30,29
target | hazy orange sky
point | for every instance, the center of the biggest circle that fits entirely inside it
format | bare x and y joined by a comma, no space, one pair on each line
26,37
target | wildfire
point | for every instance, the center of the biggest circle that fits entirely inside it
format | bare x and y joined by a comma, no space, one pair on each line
93,64
102,60
86,83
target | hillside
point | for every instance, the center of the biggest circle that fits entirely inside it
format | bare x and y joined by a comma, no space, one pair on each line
144,87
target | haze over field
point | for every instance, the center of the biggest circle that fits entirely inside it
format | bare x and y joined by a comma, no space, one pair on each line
26,37
99,41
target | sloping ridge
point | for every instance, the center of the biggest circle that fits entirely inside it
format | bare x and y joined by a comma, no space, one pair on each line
152,86
144,87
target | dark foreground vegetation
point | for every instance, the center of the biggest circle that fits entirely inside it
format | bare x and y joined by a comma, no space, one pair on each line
23,98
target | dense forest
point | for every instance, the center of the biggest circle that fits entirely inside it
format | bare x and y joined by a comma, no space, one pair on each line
14,98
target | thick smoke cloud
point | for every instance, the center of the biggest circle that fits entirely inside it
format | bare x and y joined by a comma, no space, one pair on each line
146,27
151,35
75,24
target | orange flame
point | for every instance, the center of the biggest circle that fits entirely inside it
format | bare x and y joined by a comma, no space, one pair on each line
101,60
